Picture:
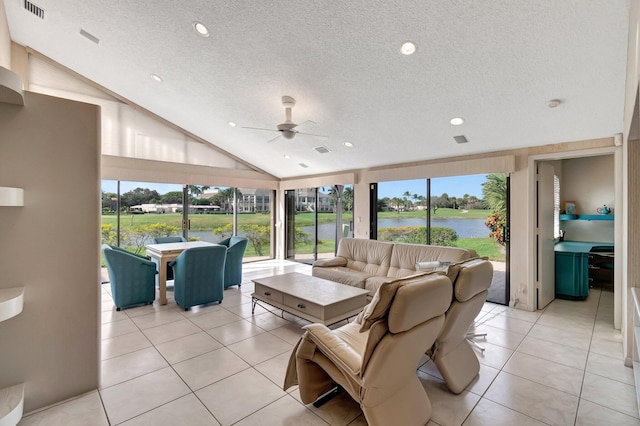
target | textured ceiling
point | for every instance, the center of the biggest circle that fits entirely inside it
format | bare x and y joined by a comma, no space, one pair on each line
495,63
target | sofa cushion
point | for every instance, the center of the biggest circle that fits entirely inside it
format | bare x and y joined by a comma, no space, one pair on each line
342,275
369,256
404,257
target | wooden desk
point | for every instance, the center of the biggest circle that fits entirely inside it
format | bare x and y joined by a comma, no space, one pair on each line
165,253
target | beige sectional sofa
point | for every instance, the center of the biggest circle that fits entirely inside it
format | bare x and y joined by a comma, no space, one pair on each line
369,263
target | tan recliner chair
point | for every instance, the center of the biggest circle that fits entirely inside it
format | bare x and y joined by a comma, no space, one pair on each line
375,357
452,353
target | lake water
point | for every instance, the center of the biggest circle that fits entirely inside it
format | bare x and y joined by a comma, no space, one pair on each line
466,228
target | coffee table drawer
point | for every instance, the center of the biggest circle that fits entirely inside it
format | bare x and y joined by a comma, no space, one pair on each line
269,293
304,306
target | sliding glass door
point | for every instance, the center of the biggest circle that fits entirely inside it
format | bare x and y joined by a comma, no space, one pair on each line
316,220
133,213
459,211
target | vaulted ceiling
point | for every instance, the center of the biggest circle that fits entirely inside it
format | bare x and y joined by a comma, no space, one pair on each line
496,63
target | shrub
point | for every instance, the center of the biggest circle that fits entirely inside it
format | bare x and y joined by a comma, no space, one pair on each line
418,235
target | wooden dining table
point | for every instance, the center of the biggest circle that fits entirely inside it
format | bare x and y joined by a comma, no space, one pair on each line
165,253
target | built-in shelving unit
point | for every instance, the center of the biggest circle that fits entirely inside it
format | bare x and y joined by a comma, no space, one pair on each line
10,87
636,340
11,405
586,217
11,197
11,398
11,302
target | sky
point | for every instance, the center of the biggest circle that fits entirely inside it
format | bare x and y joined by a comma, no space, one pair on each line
454,186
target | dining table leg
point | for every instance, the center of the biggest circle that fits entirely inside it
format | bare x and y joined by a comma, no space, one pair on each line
162,281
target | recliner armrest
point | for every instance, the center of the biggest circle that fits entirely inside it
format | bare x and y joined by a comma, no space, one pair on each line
327,263
334,348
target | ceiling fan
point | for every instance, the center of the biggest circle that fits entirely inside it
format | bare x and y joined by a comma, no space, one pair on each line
288,128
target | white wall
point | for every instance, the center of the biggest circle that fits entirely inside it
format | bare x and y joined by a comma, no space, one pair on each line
590,182
51,148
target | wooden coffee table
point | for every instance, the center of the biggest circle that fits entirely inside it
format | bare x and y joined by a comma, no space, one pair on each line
311,298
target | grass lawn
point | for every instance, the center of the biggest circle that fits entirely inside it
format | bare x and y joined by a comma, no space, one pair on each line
440,213
208,222
483,246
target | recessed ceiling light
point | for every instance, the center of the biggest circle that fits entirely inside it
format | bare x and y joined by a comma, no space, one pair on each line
457,121
201,29
408,48
287,157
232,124
156,78
554,103
348,144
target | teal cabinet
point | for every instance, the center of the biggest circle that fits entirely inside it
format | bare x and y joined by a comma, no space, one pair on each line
572,267
572,275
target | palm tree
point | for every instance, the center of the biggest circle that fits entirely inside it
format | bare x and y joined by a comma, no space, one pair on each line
405,198
347,198
397,202
494,191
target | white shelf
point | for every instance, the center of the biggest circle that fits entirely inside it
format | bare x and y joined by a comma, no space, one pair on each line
11,405
11,302
10,87
11,197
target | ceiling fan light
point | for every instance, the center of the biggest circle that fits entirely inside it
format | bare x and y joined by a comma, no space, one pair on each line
288,134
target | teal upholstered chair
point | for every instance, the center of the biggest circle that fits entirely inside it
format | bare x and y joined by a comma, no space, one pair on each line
236,247
165,240
199,276
132,277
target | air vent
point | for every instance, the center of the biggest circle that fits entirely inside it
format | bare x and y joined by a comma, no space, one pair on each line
89,36
304,166
36,10
461,139
321,149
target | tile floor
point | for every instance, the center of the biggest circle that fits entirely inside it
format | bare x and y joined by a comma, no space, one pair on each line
221,365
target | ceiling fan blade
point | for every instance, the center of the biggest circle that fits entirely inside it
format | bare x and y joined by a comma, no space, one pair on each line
260,128
311,134
274,139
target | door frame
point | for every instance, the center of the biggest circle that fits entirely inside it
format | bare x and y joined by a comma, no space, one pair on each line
619,293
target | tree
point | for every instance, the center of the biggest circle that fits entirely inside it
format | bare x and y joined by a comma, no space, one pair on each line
173,197
196,190
139,196
494,191
347,198
258,235
405,198
109,201
416,198
397,202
